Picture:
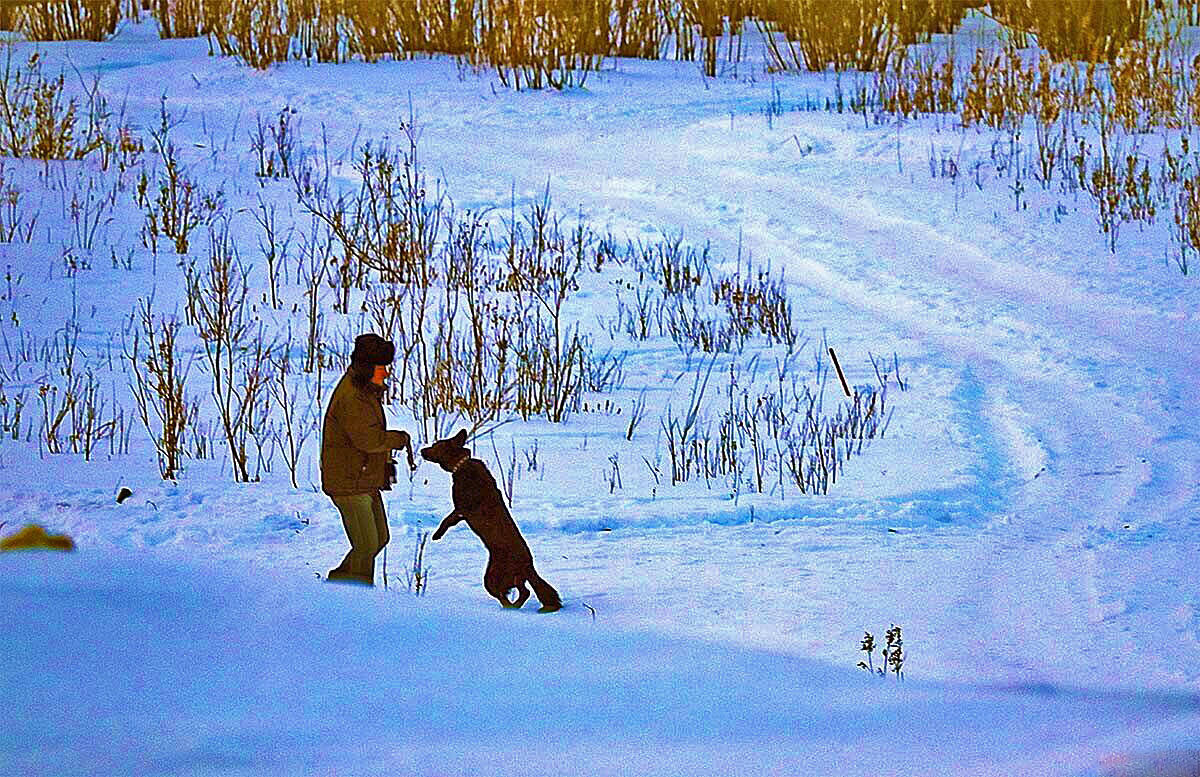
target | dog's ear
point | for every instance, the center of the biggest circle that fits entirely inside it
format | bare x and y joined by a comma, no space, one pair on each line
460,439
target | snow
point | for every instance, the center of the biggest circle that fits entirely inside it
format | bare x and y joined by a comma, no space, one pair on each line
1030,517
123,664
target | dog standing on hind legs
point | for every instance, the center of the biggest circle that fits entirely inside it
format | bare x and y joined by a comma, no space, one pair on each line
477,501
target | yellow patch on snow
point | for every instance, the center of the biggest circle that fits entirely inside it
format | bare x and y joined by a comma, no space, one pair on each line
34,537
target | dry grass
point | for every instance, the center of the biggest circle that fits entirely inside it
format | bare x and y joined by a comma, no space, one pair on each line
67,19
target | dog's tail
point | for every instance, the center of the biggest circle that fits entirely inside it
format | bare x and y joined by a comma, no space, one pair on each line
545,592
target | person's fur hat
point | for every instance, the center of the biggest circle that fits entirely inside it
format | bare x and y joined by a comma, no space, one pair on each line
373,349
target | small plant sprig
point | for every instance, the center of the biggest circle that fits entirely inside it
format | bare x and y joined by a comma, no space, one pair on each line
614,475
893,653
416,578
868,647
274,145
16,223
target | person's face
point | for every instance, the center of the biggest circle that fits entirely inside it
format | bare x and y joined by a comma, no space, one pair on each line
381,373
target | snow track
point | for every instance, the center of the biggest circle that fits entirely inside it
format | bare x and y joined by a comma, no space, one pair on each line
1081,397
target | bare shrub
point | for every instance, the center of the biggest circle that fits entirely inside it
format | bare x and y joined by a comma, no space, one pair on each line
75,414
391,225
11,407
273,250
315,256
179,204
699,27
90,210
1186,220
294,398
159,385
236,352
637,412
78,411
275,144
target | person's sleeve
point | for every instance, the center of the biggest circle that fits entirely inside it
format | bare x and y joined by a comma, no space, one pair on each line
370,436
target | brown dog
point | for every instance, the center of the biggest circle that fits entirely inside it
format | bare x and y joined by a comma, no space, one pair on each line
478,502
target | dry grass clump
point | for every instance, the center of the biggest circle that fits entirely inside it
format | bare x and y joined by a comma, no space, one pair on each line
1107,108
533,44
640,28
39,121
917,84
254,31
858,35
478,316
1080,30
530,43
64,19
481,306
854,35
541,43
183,18
765,436
770,436
915,21
699,309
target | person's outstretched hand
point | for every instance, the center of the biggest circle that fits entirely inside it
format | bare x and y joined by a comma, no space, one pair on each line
408,451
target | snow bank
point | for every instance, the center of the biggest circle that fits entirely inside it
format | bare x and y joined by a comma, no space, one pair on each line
120,665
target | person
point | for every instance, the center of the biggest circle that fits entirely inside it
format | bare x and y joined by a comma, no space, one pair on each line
356,463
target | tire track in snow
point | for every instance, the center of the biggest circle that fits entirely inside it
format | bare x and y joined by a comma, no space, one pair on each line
1062,585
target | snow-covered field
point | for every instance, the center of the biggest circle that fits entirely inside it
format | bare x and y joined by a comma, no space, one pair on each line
1030,517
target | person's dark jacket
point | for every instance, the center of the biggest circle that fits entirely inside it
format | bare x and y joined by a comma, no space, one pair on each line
355,441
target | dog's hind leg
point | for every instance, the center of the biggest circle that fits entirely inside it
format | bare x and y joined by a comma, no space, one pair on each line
522,594
498,584
545,592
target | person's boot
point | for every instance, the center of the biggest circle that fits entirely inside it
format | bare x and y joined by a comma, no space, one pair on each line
347,573
343,570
